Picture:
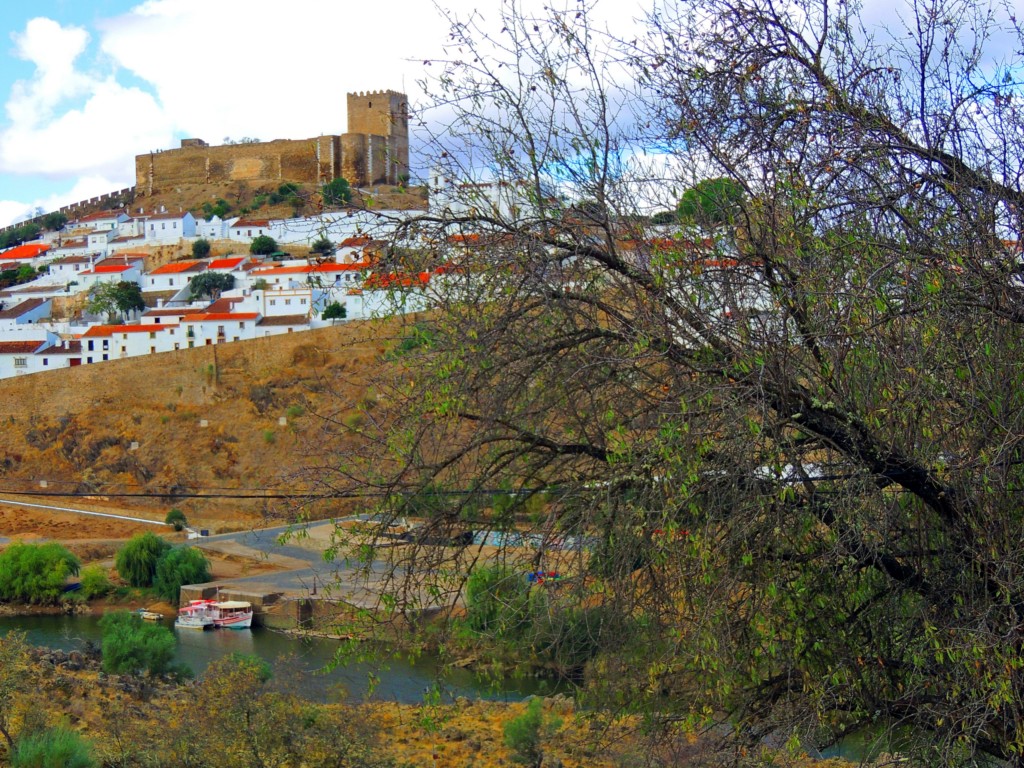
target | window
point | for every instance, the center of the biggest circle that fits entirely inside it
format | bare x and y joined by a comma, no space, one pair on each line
302,302
91,346
171,281
124,337
152,335
152,350
273,302
241,325
178,346
46,361
88,359
21,362
106,344
287,302
106,357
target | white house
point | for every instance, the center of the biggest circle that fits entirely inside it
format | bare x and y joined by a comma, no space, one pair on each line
109,273
22,312
112,342
244,230
205,328
101,220
18,357
163,227
173,276
215,228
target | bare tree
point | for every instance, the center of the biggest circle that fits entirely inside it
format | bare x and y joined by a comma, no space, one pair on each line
779,451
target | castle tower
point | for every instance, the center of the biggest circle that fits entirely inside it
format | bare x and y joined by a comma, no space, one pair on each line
376,147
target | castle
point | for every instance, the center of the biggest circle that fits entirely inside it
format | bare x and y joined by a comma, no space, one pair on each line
374,151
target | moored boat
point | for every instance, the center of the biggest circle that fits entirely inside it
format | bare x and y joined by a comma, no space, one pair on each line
232,614
198,614
150,615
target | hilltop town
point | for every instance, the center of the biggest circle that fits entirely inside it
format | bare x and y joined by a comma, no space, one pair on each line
140,237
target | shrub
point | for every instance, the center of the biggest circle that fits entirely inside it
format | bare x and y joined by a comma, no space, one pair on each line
35,573
131,646
182,565
337,192
176,518
201,248
496,601
95,582
524,735
136,561
58,747
262,245
335,311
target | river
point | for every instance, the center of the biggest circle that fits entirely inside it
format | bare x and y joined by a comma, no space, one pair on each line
303,663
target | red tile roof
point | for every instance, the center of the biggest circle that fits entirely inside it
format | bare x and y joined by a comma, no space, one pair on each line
220,316
285,320
176,267
355,242
73,348
106,269
226,263
26,251
221,305
110,330
251,223
20,309
101,215
20,347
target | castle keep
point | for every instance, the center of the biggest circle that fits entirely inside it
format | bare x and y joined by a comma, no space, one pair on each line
374,151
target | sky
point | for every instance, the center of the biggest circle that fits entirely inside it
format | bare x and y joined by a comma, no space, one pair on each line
85,85
88,84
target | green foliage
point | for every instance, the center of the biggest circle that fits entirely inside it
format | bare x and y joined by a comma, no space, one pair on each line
136,561
131,646
335,311
35,573
525,734
712,202
260,284
322,247
176,518
95,582
18,235
210,284
110,298
181,565
220,209
262,245
665,217
337,193
58,747
497,601
54,221
201,248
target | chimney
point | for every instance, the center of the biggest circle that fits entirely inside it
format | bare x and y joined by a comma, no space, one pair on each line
67,344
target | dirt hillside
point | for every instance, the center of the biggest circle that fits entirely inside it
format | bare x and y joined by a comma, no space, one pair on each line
218,419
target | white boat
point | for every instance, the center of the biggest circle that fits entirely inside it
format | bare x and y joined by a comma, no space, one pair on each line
232,614
196,615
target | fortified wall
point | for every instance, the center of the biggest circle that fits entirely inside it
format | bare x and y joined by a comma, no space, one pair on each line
375,150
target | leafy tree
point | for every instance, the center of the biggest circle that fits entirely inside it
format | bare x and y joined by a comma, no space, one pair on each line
794,453
220,209
136,561
95,582
131,646
35,573
712,202
337,192
335,311
322,247
176,518
201,248
181,565
210,284
54,221
58,747
259,284
112,298
26,272
262,245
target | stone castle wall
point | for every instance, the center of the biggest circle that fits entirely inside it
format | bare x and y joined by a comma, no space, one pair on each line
374,151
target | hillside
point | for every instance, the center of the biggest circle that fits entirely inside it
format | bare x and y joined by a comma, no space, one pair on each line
205,420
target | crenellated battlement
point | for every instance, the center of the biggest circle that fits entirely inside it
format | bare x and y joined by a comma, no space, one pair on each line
374,150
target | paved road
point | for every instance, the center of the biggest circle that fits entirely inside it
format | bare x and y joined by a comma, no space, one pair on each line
15,503
344,579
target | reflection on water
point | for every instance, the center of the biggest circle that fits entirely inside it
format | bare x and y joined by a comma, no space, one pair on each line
299,664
